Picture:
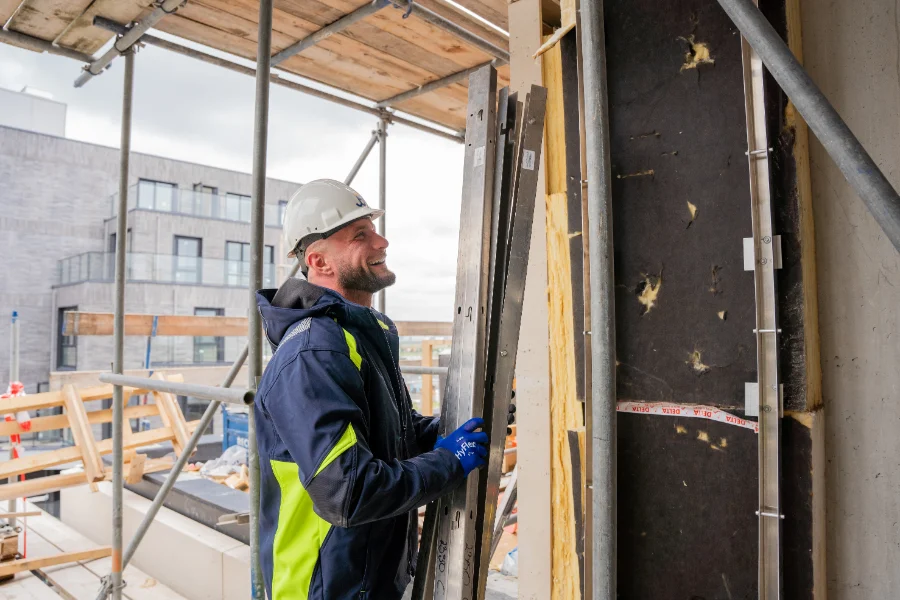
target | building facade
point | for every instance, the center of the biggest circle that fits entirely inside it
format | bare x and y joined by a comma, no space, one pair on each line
188,250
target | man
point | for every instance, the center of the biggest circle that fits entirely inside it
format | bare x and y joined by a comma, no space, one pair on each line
345,461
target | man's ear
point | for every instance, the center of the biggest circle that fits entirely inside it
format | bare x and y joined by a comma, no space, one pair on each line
317,261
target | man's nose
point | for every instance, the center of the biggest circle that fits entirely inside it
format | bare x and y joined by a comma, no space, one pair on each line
381,241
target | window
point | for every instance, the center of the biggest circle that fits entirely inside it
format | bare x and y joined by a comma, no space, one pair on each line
188,252
237,207
66,345
112,242
156,195
282,206
237,264
205,201
209,349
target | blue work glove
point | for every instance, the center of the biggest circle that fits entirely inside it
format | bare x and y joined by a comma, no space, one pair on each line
469,446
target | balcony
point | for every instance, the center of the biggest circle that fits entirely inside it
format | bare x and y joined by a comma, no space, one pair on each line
159,197
160,268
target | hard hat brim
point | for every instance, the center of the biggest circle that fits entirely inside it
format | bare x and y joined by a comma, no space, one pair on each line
364,213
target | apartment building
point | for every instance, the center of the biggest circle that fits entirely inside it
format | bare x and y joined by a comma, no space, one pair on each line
188,246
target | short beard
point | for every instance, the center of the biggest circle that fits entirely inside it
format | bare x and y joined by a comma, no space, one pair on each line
364,280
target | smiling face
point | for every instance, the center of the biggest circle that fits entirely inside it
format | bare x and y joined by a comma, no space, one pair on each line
351,261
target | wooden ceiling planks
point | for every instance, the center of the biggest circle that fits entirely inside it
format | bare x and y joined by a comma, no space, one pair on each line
367,62
377,58
7,8
455,15
46,19
494,11
84,37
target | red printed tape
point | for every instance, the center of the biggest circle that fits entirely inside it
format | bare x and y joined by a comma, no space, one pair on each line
696,411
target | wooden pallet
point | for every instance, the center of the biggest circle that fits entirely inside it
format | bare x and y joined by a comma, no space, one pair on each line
88,450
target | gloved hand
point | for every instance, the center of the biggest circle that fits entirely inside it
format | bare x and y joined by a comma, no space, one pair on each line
469,446
510,419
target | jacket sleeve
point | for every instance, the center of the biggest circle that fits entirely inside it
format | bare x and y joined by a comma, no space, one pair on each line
426,430
314,404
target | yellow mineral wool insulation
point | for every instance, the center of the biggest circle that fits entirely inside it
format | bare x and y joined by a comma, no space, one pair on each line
565,409
554,124
649,293
698,54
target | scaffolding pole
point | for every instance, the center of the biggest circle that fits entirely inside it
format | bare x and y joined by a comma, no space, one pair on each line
119,328
844,148
382,192
438,84
13,376
329,30
602,304
257,223
362,158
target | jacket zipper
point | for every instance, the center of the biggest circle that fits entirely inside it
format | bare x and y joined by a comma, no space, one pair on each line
405,417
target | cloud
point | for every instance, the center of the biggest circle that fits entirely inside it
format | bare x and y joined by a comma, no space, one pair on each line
188,110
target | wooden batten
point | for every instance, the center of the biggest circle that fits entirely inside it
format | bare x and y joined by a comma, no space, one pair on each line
85,323
81,432
27,564
95,417
565,409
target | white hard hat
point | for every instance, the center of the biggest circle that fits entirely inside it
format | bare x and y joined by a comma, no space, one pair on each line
320,208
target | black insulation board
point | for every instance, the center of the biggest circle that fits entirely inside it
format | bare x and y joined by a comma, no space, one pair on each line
693,532
686,500
678,135
693,535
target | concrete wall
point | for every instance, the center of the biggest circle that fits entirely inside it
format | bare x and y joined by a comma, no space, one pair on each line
852,50
55,203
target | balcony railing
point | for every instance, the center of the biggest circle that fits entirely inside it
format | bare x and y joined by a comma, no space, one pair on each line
148,195
160,268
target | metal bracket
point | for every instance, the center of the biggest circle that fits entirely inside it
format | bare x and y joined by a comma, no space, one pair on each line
750,252
751,399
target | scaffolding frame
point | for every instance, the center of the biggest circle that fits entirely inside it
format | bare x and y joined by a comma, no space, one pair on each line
129,38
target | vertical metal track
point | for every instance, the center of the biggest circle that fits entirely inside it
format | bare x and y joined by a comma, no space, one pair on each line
455,566
505,331
766,330
502,208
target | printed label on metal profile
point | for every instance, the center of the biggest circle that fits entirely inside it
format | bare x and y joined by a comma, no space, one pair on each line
528,160
479,156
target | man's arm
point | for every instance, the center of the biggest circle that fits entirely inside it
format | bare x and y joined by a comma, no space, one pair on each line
426,429
313,406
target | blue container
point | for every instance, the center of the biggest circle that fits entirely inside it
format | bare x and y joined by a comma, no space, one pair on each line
234,428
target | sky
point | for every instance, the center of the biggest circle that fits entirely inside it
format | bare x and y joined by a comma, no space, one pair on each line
188,110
